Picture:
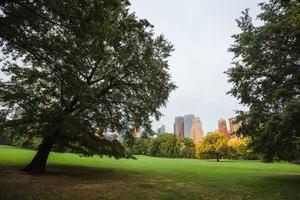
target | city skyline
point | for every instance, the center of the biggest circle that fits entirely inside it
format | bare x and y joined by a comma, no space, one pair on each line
227,126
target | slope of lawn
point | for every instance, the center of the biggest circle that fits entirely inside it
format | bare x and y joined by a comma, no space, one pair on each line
73,177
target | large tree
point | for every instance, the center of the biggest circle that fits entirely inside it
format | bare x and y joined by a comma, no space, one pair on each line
76,68
265,74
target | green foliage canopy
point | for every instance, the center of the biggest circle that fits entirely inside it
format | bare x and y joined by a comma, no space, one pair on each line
187,149
265,74
77,68
165,145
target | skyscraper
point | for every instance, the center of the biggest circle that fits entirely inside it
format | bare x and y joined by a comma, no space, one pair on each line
197,131
179,126
188,122
162,129
234,126
223,127
137,132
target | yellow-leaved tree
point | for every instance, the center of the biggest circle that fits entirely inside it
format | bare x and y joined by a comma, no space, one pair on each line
213,145
238,148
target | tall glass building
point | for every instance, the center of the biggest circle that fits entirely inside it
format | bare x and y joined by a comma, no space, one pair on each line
179,126
188,123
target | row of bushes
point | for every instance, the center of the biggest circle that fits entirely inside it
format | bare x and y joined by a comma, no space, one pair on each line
213,146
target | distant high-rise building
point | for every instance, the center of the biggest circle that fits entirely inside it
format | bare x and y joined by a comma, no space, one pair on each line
179,127
197,131
234,126
162,129
188,123
137,130
223,127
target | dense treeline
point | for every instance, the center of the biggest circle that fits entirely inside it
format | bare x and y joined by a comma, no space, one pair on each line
213,146
164,145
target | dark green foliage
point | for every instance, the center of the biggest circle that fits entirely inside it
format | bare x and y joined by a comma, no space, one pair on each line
5,139
265,74
10,137
164,145
140,147
169,145
187,149
154,149
77,68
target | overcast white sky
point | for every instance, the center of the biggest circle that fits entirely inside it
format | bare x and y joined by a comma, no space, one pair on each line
200,31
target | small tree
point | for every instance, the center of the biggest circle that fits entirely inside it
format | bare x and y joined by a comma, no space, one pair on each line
154,147
187,149
165,145
213,146
169,145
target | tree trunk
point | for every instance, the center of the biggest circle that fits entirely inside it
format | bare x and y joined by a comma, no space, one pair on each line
38,163
217,157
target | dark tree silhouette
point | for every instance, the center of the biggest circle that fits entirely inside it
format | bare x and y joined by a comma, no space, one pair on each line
265,74
78,67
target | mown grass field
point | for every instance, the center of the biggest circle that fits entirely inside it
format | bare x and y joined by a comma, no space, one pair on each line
72,177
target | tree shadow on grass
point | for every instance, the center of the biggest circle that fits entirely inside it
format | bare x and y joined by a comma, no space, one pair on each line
65,182
284,184
89,173
285,178
76,182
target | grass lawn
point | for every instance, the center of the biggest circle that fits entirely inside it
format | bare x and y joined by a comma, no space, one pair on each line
72,177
